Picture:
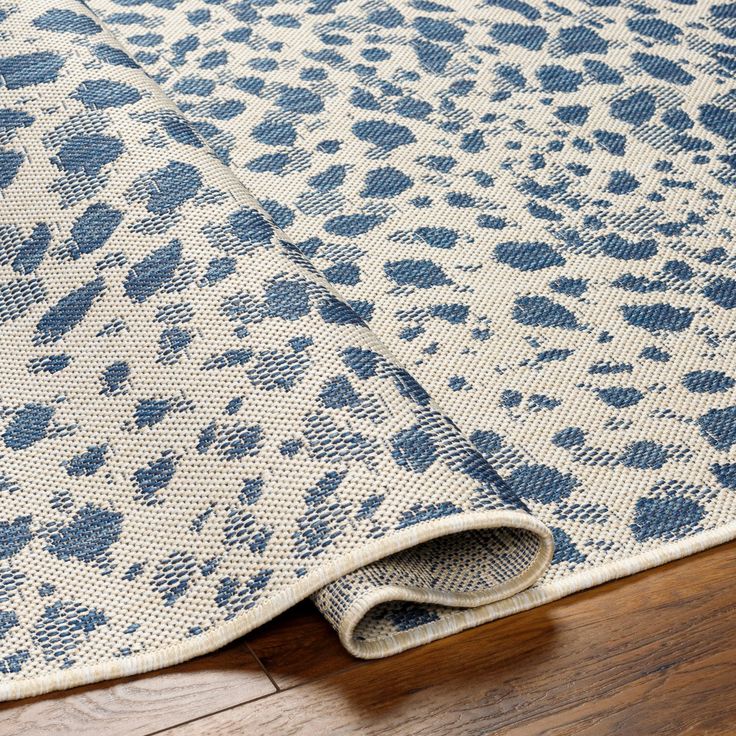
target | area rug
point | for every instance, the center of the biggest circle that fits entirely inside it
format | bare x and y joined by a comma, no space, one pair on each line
425,309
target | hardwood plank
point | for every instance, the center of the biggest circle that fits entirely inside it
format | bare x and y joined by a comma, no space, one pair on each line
650,654
144,703
299,646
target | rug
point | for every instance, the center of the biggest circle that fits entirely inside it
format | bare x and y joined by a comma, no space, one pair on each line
423,309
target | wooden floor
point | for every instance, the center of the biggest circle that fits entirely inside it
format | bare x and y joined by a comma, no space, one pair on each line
654,653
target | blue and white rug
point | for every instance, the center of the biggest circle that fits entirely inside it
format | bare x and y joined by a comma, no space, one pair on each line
425,309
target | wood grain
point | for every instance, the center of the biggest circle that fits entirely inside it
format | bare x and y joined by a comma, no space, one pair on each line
651,654
138,705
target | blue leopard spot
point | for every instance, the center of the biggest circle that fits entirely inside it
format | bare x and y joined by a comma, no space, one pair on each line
99,94
541,483
620,396
386,136
32,250
88,153
171,186
14,536
10,163
385,183
565,548
581,40
665,518
530,256
636,109
156,270
300,99
519,34
657,317
62,20
93,228
151,411
25,70
644,455
90,534
87,463
414,449
661,68
707,382
725,474
422,274
718,426
539,311
615,246
721,291
350,225
419,513
153,478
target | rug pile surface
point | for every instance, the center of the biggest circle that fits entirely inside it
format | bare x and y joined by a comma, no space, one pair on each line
423,309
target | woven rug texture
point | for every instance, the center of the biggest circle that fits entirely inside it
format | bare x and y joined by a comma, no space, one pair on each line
425,309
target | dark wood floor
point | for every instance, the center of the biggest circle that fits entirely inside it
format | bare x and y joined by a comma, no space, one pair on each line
654,653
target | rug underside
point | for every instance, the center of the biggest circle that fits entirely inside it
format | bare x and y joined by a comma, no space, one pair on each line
422,309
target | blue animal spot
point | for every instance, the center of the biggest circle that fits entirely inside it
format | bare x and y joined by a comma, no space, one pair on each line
87,463
99,94
665,518
644,455
718,427
156,270
541,483
529,256
518,34
423,274
385,183
93,228
539,311
25,70
88,153
657,317
152,478
721,291
414,449
707,382
90,534
14,536
387,136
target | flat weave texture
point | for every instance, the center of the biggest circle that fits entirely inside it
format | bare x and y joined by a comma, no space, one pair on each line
423,309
